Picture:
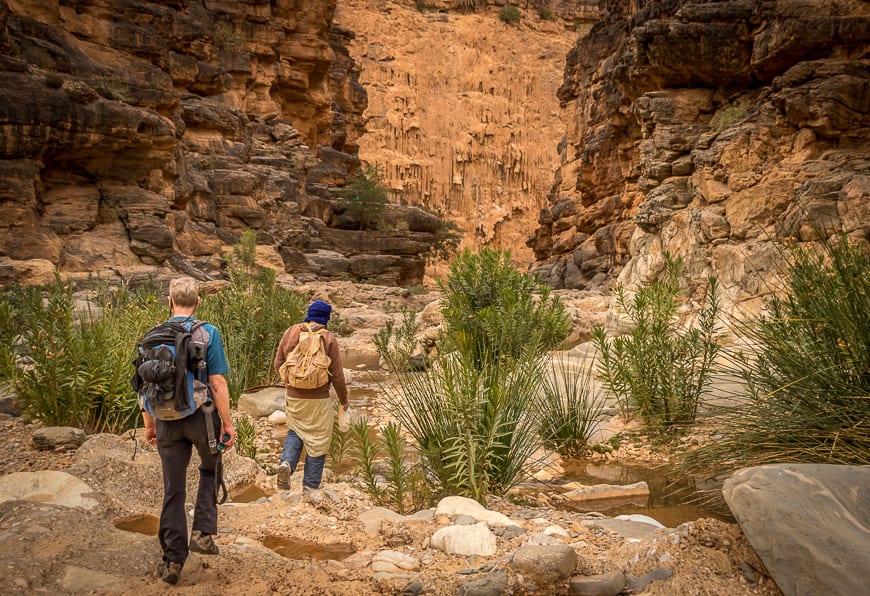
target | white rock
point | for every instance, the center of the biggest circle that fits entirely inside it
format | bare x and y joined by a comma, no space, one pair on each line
393,561
47,486
464,506
644,519
277,417
538,539
465,540
556,531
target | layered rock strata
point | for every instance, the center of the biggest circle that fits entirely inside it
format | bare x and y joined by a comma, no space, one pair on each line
152,134
710,130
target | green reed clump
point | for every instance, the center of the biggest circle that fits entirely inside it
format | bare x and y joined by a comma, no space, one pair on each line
398,471
660,369
473,414
78,354
473,426
806,372
339,446
9,334
569,408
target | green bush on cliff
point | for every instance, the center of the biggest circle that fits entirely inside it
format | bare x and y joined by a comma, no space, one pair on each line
365,197
510,14
807,374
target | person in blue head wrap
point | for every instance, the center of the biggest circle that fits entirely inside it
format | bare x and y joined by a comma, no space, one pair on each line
309,411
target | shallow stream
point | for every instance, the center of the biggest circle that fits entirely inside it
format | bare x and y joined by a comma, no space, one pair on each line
673,499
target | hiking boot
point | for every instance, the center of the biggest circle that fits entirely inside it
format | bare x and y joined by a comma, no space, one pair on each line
284,476
170,571
203,544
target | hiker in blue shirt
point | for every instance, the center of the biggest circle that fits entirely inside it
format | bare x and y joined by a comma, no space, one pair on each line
175,440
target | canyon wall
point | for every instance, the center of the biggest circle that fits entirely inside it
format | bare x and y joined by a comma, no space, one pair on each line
139,136
463,117
711,130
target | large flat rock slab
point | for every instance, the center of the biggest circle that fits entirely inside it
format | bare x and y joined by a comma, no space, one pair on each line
809,524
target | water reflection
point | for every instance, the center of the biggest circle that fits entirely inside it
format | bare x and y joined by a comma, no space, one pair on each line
673,498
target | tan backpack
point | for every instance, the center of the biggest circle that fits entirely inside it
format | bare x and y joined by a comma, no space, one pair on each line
307,365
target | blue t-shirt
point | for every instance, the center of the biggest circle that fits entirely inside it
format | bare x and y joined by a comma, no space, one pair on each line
216,359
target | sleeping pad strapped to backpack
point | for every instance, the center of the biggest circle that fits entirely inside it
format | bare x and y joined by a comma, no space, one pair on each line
170,379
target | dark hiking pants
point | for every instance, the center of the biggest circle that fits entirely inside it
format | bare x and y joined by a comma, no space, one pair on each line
175,442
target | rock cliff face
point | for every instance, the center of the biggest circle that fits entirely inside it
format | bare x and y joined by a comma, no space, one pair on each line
709,130
151,134
463,115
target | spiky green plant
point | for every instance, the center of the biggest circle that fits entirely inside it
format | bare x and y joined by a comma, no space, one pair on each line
660,369
398,482
246,437
339,446
806,370
474,426
365,452
569,407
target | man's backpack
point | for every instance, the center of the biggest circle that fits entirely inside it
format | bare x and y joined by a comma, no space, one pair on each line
307,365
170,379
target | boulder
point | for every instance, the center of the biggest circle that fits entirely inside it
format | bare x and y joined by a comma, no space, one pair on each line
807,522
58,437
465,540
262,403
545,564
47,486
455,506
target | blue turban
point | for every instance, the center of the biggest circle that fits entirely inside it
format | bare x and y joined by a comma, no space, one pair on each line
319,312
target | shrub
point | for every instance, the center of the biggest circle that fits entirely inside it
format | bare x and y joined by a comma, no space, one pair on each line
473,414
509,14
545,13
659,368
365,197
79,360
446,241
732,114
491,308
252,315
9,333
569,409
397,345
807,374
